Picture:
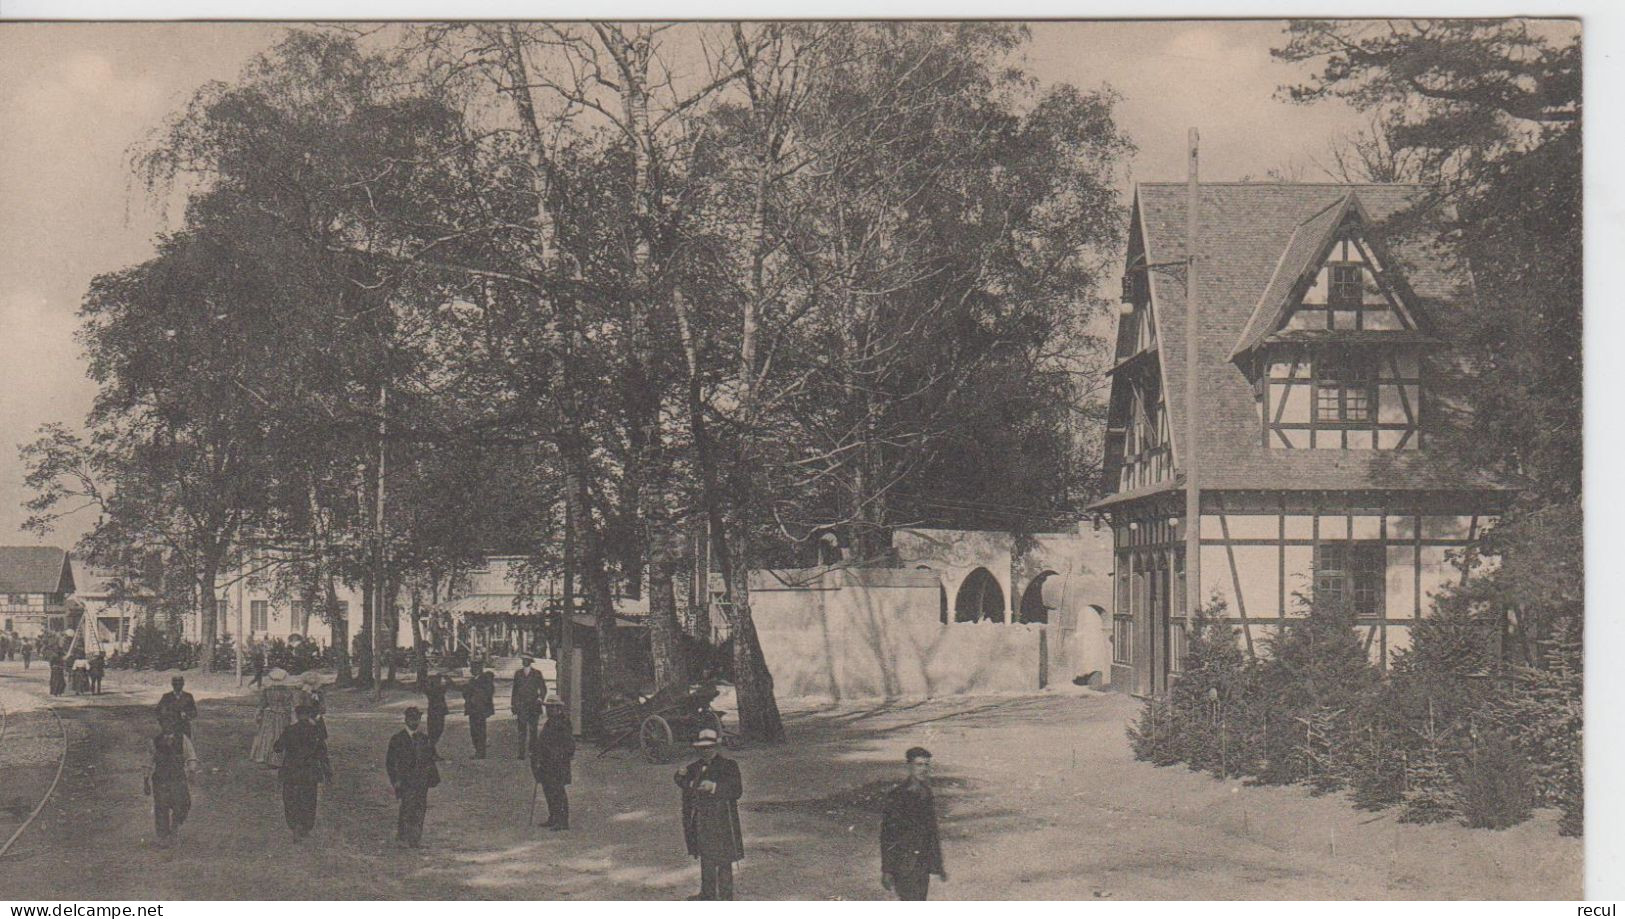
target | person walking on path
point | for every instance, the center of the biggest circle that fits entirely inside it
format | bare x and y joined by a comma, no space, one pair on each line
479,704
28,653
550,755
98,669
178,705
59,675
257,658
435,692
711,788
304,766
310,684
529,689
171,798
412,772
910,847
277,702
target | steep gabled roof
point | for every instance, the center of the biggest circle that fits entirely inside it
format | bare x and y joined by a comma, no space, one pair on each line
1303,252
35,570
1249,233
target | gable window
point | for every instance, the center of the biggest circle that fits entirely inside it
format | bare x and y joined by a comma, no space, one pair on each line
1351,574
1345,285
1343,395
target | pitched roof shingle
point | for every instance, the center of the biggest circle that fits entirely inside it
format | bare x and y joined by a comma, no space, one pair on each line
1248,235
34,570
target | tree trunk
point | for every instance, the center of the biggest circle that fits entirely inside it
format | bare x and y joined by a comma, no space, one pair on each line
759,717
420,649
208,614
338,632
365,665
664,629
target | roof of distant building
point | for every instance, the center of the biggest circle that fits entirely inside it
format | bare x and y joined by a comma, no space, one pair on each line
35,570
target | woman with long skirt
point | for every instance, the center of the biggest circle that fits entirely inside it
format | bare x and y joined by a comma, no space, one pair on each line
59,675
277,701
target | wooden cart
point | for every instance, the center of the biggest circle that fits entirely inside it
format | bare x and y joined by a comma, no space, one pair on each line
665,724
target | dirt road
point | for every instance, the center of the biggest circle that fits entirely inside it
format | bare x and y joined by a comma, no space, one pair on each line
1040,799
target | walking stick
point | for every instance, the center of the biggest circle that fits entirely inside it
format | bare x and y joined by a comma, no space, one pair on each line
533,802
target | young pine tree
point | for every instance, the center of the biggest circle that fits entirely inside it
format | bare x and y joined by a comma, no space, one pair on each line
1314,678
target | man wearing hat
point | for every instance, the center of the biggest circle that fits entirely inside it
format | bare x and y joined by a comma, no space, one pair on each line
178,705
550,755
529,689
910,849
412,772
304,765
435,692
479,703
711,789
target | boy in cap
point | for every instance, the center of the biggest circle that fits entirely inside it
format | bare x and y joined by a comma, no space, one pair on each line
711,789
910,849
550,755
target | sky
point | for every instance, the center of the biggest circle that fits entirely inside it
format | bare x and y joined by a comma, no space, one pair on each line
74,98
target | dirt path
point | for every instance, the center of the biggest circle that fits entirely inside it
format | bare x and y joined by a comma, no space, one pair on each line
1040,800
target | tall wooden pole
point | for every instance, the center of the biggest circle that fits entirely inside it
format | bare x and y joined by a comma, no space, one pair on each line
1193,333
381,600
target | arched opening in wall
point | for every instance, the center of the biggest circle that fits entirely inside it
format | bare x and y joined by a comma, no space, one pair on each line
1033,607
980,597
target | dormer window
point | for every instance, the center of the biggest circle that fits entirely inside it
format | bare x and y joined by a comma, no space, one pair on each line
1344,393
1346,286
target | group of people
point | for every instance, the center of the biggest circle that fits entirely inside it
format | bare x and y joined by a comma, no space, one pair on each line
81,674
13,646
292,737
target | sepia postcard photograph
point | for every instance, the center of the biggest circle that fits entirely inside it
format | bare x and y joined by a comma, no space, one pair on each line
1069,460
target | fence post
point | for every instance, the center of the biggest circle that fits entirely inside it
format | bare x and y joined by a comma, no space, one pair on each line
1043,656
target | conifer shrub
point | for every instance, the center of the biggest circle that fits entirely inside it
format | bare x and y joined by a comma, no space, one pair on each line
1313,679
1213,703
1542,712
1494,790
1153,736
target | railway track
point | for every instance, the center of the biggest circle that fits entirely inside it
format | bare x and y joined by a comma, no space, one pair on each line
33,754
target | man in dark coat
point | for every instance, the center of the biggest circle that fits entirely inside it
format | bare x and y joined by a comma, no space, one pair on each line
529,689
98,670
711,789
550,755
178,705
28,653
910,849
435,691
171,799
304,765
412,772
479,703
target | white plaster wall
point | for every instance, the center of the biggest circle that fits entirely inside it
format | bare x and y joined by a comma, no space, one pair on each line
888,643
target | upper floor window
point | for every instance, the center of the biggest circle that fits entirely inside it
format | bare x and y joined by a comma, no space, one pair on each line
1343,395
1346,285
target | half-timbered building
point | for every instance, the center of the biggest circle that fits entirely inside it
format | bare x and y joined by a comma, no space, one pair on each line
1319,354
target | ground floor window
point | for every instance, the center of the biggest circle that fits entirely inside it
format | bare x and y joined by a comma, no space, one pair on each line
1351,574
259,616
1122,638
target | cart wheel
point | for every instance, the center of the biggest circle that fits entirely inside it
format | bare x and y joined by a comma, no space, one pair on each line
656,740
